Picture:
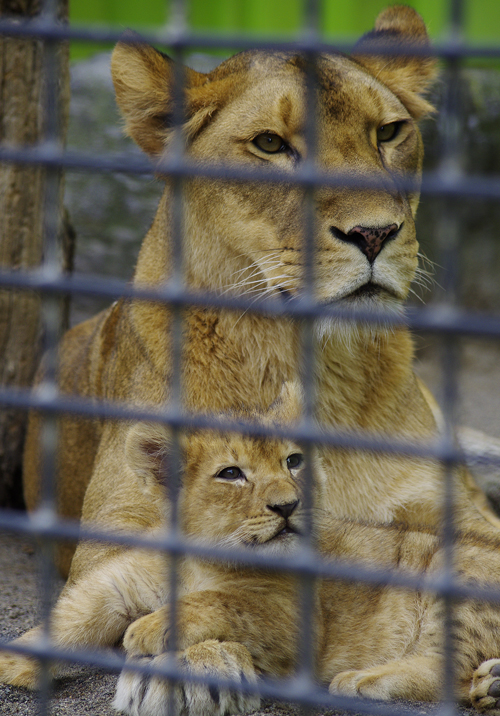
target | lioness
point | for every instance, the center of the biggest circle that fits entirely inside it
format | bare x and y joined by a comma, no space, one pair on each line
248,239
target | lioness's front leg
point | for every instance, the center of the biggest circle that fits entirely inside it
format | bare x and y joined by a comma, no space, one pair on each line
144,695
20,670
485,689
94,611
228,635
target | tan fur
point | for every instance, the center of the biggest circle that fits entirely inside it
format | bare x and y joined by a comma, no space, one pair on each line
248,239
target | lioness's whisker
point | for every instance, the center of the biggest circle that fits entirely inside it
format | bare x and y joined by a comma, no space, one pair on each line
247,281
428,261
285,281
414,293
256,267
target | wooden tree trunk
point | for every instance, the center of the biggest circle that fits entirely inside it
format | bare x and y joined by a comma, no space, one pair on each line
21,226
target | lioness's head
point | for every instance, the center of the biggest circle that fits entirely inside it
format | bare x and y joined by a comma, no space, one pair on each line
236,491
248,237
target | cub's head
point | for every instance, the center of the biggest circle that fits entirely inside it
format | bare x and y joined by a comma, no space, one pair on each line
236,491
250,112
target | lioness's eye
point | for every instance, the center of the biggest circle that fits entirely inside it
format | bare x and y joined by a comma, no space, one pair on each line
230,473
270,143
294,461
388,131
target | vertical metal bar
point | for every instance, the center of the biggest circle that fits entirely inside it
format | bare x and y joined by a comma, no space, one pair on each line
449,239
51,314
457,17
307,585
176,279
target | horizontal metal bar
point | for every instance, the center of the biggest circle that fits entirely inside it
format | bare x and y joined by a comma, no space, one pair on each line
440,319
46,401
304,562
443,184
296,689
441,450
450,49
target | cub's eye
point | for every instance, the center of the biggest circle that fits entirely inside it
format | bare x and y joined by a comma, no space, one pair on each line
294,461
269,143
230,473
388,131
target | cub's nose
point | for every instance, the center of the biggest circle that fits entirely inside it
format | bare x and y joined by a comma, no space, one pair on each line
284,509
368,239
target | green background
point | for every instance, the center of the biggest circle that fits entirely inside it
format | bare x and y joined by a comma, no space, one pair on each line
341,19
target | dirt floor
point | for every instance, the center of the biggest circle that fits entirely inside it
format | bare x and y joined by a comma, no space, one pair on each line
85,690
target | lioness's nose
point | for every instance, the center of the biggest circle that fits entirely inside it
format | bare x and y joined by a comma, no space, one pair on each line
368,239
284,509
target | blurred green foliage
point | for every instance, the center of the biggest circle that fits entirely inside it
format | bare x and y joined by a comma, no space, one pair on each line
280,18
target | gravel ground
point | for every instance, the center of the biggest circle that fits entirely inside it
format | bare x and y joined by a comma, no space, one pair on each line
85,690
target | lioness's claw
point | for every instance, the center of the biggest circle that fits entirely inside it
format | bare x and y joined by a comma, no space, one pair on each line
144,695
485,690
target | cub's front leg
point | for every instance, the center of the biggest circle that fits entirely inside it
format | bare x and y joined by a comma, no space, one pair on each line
265,620
200,616
416,678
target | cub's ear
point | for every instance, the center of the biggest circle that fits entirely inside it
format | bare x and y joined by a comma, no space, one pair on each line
146,447
144,84
400,27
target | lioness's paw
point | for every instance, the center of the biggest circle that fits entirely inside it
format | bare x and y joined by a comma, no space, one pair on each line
485,689
148,635
18,670
142,695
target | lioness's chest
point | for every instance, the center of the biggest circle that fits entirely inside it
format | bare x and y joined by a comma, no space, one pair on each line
232,359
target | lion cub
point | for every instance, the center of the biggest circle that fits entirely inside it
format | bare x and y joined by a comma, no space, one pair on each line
232,622
235,622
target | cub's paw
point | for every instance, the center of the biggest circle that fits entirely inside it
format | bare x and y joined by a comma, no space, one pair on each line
380,682
148,635
142,695
18,670
347,683
485,689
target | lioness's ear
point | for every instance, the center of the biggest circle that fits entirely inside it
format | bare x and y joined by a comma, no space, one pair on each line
143,80
400,27
146,447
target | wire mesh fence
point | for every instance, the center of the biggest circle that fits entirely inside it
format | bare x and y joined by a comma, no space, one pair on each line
446,320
